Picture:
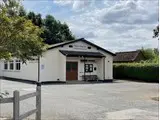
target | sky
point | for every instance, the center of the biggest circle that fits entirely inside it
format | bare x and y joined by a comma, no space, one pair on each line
116,25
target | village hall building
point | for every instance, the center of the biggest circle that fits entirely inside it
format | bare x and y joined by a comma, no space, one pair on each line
72,60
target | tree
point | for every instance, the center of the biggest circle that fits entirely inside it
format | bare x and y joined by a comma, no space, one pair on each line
31,16
12,7
151,55
156,32
66,32
55,31
36,19
19,37
22,12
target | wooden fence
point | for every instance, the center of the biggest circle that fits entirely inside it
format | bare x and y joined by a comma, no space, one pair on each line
16,103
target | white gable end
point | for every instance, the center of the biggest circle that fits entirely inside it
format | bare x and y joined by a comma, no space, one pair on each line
79,46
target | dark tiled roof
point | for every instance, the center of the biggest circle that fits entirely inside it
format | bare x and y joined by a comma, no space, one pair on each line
129,56
82,39
80,53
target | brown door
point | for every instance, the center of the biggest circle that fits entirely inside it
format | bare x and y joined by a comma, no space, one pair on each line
71,70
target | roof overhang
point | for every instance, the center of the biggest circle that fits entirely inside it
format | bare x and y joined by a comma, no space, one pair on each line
81,54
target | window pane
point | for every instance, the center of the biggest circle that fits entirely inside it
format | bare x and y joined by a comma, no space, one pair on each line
5,65
11,65
88,68
18,66
91,68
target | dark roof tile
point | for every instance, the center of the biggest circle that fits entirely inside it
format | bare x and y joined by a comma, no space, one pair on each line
126,56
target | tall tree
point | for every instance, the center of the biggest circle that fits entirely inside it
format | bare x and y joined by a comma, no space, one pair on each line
66,32
36,19
55,31
19,37
22,12
32,17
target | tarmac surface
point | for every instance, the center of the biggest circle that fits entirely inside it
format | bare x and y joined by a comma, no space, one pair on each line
120,100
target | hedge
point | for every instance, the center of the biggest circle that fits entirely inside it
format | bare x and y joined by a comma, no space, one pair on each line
148,72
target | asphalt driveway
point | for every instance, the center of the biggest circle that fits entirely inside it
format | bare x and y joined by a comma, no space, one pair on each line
120,100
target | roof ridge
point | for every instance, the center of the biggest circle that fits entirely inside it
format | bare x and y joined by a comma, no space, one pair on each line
128,51
136,55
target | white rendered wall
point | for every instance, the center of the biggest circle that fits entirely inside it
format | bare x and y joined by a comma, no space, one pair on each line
53,65
79,46
100,68
50,61
28,71
108,65
62,67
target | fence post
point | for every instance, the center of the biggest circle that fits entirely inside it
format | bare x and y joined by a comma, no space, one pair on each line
16,105
38,101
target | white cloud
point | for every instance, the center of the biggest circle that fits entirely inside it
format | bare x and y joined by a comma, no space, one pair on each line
77,5
63,2
116,25
120,25
129,12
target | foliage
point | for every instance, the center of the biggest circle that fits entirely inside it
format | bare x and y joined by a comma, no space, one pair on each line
55,31
156,32
151,55
22,12
12,7
148,72
36,19
19,37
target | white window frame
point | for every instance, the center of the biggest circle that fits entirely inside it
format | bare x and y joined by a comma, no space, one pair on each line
6,63
17,62
11,62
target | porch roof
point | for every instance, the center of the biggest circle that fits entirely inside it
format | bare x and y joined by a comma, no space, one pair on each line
81,53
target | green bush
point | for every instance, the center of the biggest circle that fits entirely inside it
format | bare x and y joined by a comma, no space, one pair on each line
148,72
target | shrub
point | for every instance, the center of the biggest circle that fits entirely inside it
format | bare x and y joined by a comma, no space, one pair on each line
148,72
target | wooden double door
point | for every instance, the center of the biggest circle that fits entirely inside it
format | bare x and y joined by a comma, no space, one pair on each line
71,70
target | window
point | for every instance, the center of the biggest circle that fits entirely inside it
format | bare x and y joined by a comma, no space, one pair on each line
11,65
70,45
5,65
89,47
88,68
18,64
